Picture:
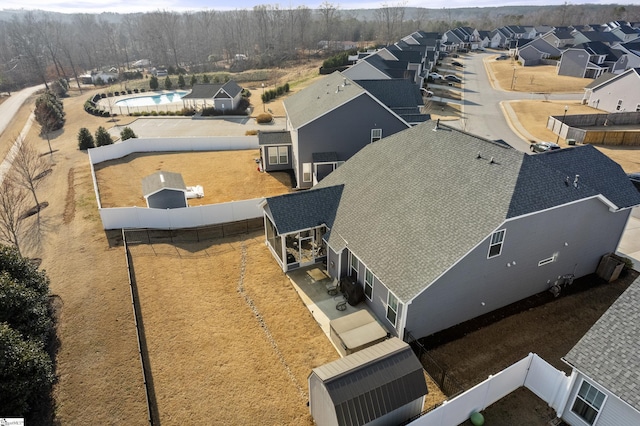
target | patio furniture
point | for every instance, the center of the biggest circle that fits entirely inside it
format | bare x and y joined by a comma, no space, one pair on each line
334,287
341,302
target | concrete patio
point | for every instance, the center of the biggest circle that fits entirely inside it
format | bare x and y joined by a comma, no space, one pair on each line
311,285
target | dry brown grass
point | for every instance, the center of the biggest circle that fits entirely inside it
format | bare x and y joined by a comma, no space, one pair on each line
537,79
224,175
11,133
212,359
533,116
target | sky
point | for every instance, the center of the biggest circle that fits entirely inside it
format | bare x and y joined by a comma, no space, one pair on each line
133,6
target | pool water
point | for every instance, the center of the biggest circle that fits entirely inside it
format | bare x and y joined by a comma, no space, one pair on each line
165,98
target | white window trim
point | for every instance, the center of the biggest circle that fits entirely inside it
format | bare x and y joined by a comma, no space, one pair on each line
281,150
376,138
576,396
389,293
306,175
367,283
501,243
270,157
351,258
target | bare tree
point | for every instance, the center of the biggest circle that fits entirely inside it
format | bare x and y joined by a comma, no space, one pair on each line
390,19
29,167
12,208
29,44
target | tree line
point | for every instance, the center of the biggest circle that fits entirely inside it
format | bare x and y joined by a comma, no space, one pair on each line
38,47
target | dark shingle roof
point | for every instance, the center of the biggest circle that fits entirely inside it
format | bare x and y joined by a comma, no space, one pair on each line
208,91
608,352
393,93
308,209
418,185
324,157
601,36
277,137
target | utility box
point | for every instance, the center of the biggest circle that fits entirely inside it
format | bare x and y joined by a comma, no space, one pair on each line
571,141
610,267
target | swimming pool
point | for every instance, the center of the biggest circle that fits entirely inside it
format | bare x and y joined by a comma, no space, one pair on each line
165,98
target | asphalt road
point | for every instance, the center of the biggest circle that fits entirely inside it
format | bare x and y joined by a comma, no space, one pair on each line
482,114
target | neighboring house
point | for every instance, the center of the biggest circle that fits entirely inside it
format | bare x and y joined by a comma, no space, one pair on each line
615,92
626,33
605,385
500,38
414,58
376,67
380,385
330,121
583,61
223,97
164,190
535,51
558,38
484,40
440,226
605,37
401,96
632,49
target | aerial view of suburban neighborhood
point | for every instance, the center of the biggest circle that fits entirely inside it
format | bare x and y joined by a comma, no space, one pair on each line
253,214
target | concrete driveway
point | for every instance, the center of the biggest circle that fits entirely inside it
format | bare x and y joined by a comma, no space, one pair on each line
159,127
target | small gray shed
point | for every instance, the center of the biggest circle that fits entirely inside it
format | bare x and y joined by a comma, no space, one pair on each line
380,385
355,332
164,190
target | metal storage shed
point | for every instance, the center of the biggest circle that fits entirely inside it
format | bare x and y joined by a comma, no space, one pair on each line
380,385
164,190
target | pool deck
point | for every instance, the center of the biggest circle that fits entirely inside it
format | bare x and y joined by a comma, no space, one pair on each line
109,103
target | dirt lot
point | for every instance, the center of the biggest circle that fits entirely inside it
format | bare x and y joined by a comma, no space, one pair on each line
224,175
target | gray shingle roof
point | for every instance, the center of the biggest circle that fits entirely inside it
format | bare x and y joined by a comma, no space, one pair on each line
394,93
372,382
277,137
319,98
209,90
162,180
609,352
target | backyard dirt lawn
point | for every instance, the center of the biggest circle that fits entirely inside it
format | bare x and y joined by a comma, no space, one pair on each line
224,175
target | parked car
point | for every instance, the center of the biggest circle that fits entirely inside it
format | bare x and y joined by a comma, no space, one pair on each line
635,179
502,57
455,55
453,78
436,76
543,146
457,64
427,93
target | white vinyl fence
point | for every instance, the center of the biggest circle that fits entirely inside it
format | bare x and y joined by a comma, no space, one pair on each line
189,217
544,380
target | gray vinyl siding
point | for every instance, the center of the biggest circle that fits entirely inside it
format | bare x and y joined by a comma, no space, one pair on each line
625,88
167,199
614,412
574,63
459,294
345,130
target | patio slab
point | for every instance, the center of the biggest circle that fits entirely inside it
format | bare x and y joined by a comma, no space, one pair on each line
311,285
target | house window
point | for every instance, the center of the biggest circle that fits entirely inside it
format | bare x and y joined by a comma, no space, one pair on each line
376,135
495,248
278,155
619,106
353,266
283,154
273,155
306,172
588,403
392,308
638,108
368,284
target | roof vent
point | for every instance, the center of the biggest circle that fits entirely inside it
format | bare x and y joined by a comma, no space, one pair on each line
338,89
491,161
575,181
479,155
437,125
566,181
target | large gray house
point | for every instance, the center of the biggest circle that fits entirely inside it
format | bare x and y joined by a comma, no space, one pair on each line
439,226
328,122
615,92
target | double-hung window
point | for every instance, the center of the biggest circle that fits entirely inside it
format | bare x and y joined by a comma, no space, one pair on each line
376,135
392,308
278,155
495,247
368,284
353,266
588,403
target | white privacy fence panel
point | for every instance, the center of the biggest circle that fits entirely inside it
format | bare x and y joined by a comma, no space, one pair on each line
188,217
544,380
214,143
548,383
